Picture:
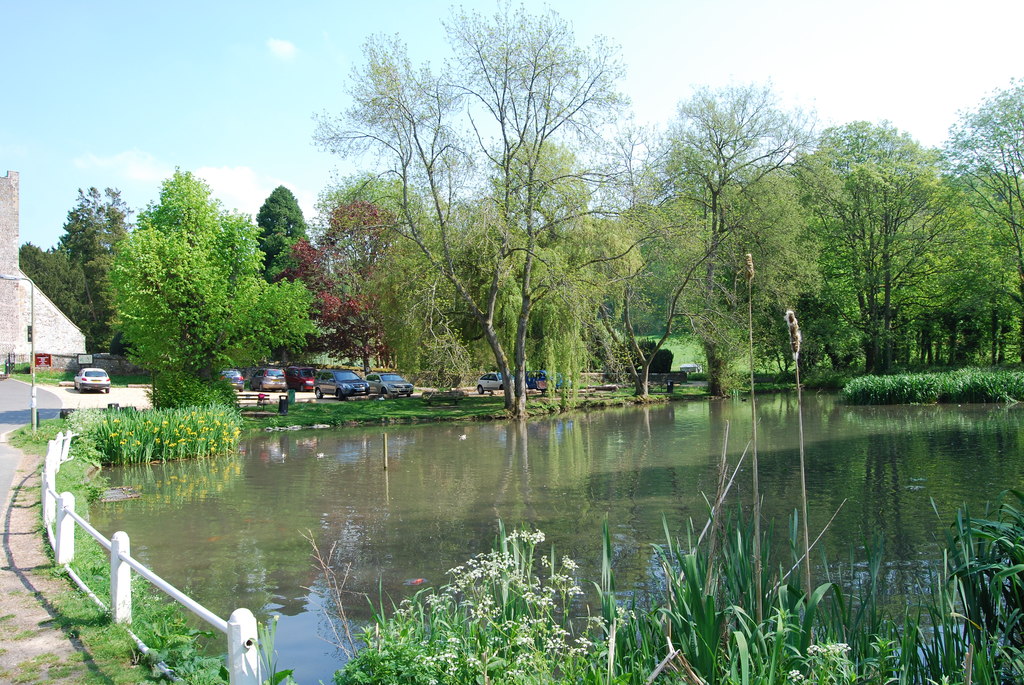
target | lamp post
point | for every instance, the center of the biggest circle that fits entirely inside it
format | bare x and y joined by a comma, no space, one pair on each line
31,339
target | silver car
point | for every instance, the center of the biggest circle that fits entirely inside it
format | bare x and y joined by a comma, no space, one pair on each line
388,384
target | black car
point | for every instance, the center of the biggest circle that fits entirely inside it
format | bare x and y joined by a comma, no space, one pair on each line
342,384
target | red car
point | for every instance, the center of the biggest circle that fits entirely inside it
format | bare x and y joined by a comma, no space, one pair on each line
299,378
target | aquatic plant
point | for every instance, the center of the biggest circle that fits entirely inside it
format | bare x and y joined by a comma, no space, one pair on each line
961,386
133,437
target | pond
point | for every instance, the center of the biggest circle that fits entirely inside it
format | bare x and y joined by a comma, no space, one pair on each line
236,532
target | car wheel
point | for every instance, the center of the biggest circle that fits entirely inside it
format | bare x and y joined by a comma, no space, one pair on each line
340,395
383,393
319,393
480,389
106,390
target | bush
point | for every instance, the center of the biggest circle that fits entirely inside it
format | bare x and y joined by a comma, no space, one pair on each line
662,362
176,390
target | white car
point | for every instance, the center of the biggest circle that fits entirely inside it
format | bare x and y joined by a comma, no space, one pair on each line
92,379
489,382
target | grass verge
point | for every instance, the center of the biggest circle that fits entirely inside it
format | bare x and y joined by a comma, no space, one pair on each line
113,655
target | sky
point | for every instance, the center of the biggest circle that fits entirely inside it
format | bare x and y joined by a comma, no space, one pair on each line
119,94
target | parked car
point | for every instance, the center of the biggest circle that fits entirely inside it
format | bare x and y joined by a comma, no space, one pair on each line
267,379
540,380
300,378
385,384
489,382
92,379
234,377
339,383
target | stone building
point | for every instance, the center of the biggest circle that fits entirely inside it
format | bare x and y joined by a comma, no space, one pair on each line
54,333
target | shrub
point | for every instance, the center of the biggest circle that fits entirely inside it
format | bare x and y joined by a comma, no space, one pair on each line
503,619
174,389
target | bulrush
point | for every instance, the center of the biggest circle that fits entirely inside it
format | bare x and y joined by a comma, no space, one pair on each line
794,333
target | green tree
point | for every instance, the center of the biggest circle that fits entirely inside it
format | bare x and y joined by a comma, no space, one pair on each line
883,215
728,146
490,195
94,228
986,154
190,296
55,275
281,226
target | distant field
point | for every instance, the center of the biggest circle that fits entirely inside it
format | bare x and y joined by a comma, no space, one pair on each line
684,351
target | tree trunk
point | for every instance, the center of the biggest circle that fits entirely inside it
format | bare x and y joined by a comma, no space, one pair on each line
716,370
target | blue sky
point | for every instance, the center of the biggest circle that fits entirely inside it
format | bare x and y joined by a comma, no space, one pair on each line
118,94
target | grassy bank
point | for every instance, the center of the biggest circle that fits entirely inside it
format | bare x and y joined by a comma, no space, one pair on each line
961,386
161,625
330,412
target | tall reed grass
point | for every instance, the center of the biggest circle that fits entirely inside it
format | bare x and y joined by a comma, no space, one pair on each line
134,437
962,386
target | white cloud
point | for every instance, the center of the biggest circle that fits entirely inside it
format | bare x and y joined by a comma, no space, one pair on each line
282,49
245,190
133,165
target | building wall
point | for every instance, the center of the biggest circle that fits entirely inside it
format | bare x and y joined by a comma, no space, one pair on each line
54,332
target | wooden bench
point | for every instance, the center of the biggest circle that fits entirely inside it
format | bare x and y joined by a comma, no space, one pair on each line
255,399
442,397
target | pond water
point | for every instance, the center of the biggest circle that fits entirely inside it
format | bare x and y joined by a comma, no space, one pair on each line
236,532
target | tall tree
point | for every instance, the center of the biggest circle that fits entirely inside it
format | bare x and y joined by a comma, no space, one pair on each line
190,296
94,228
54,274
337,267
883,217
480,153
281,226
726,144
986,153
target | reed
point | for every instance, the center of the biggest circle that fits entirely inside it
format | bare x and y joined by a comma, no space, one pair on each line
753,440
961,386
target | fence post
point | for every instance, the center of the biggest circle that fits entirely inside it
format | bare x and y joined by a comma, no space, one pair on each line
49,482
243,655
65,529
66,447
120,578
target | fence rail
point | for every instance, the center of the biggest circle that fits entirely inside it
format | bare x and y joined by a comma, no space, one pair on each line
60,519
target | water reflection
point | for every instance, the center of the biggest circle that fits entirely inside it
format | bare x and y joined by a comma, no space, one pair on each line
232,530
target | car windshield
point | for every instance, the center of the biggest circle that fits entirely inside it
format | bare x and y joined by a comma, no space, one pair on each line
276,373
391,377
304,373
348,376
94,373
231,374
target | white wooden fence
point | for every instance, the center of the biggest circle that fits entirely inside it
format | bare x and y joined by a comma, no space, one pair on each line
59,517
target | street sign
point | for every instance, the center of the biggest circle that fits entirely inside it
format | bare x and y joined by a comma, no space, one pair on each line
43,360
